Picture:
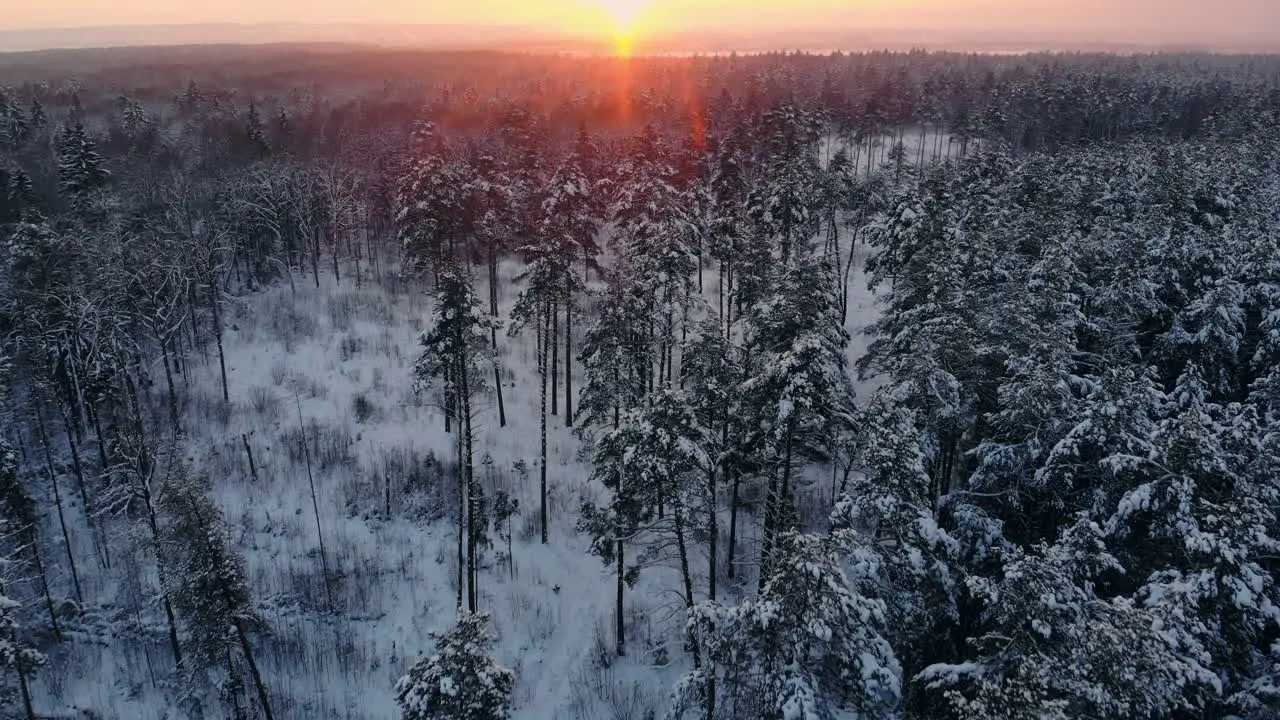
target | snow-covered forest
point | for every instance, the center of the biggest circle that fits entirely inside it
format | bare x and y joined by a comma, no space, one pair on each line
357,384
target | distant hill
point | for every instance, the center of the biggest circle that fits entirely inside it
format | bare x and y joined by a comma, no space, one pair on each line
526,39
445,37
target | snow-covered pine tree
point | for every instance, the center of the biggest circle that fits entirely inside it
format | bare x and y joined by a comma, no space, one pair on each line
645,464
569,222
458,681
809,647
890,507
428,200
206,579
14,125
653,232
456,354
616,356
713,368
81,168
1195,525
1050,647
797,386
17,655
786,200
255,133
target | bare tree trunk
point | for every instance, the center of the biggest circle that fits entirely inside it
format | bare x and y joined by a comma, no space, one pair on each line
253,671
44,583
154,525
568,361
26,691
315,256
462,527
95,524
464,421
315,505
217,334
553,337
620,626
682,548
713,531
493,335
334,245
173,394
248,451
543,341
733,524
770,520
57,498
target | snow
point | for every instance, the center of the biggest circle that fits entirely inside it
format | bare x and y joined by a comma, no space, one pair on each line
319,350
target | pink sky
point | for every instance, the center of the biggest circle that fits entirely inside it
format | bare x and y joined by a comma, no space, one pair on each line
1202,22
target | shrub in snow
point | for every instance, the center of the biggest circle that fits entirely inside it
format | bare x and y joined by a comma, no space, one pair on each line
460,681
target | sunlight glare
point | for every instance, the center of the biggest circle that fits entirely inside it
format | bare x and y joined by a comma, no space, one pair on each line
624,12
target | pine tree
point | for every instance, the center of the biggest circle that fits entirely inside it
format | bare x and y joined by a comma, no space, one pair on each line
16,654
797,385
785,202
428,201
14,125
255,133
891,509
80,167
645,464
809,647
1049,647
455,350
206,579
458,681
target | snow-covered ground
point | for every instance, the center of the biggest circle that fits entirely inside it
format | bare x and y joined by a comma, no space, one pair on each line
340,357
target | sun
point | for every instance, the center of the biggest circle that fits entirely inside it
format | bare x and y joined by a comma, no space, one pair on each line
624,12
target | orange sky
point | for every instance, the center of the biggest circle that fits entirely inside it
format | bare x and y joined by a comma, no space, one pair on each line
1194,21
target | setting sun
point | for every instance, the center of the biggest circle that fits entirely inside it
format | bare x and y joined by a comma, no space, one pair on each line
624,12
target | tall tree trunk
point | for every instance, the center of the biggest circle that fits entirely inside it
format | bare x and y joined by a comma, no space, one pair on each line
333,244
44,582
153,524
95,524
682,548
493,334
775,513
315,256
253,671
462,527
620,626
543,341
713,531
568,360
173,395
730,555
217,334
554,338
25,690
770,521
315,505
465,427
104,471
76,467
57,499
